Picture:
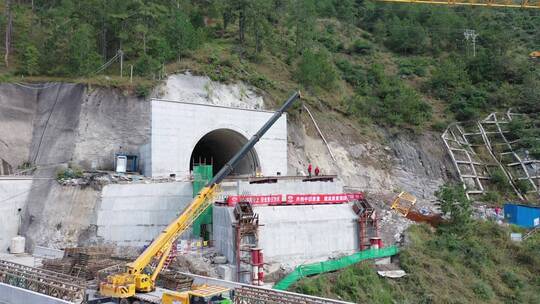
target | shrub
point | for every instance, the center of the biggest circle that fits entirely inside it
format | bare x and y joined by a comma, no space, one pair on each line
406,36
329,43
482,290
492,197
361,46
68,173
523,185
412,66
353,74
316,70
142,90
448,78
499,180
146,65
511,280
388,101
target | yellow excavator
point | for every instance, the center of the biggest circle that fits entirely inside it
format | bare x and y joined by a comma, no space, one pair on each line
535,55
140,275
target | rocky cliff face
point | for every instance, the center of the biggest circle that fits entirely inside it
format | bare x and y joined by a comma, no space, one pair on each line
57,123
416,163
52,125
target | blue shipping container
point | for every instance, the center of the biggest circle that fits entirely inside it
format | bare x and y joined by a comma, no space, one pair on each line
521,215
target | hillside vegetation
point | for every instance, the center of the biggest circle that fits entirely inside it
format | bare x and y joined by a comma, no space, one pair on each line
484,268
396,65
463,261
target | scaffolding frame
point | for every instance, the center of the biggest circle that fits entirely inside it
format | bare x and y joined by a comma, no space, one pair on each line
246,230
518,167
472,171
368,223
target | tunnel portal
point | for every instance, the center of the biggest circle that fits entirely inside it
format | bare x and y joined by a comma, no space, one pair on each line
218,147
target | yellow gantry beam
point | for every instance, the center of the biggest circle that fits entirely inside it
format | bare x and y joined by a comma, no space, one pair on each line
488,3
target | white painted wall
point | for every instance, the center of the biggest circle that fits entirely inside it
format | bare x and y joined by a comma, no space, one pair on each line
133,214
13,194
178,126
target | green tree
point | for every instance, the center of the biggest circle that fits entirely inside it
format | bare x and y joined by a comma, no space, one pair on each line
181,35
455,204
30,60
316,69
448,77
302,19
83,58
407,36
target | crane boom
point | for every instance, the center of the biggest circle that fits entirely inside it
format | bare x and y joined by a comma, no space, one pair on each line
134,279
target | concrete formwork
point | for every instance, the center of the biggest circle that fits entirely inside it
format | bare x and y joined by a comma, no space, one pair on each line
13,195
177,127
132,215
293,235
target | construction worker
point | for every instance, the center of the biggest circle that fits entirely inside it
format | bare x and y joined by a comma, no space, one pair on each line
317,171
309,170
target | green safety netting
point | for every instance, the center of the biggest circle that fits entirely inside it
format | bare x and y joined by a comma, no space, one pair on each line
333,265
202,174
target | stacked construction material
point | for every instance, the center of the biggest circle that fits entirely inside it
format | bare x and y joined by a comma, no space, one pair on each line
63,265
173,280
83,262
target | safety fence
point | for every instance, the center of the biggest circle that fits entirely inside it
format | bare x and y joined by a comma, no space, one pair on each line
333,265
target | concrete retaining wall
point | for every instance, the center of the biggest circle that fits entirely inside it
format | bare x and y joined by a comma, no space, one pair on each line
177,127
14,295
133,214
13,194
293,235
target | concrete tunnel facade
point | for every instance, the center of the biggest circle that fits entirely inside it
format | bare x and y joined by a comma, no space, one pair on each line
183,132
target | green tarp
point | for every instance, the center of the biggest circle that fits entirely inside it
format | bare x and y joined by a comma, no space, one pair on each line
202,174
333,265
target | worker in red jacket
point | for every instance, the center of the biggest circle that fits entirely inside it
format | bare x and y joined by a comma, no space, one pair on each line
309,170
317,171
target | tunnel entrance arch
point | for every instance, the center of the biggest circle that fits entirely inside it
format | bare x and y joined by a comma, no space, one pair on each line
218,147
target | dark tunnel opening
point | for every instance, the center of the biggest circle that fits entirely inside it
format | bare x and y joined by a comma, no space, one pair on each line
218,147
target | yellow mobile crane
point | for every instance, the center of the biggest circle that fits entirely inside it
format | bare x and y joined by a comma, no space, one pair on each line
136,277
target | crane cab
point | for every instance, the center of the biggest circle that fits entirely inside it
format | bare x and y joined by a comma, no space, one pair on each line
200,295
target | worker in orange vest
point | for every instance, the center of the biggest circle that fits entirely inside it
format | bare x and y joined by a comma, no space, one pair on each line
309,170
317,171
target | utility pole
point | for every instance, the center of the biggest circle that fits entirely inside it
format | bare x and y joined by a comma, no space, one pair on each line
9,26
471,35
121,63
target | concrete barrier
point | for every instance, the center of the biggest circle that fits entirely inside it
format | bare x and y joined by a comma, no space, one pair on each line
15,295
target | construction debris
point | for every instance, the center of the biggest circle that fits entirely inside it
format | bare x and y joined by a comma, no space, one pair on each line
394,274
